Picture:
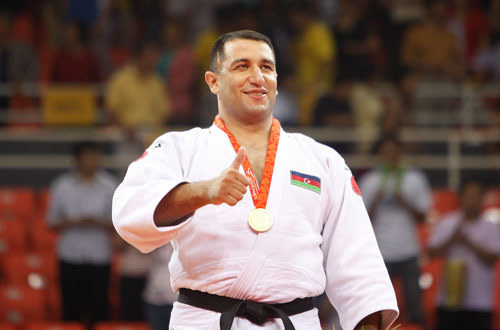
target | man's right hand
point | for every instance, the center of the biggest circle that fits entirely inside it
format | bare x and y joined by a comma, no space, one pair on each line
230,186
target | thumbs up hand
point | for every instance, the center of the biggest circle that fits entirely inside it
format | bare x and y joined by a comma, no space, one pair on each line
230,186
238,160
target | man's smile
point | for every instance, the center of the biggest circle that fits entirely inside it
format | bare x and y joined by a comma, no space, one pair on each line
256,93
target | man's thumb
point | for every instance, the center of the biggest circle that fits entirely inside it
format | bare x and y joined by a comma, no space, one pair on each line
238,160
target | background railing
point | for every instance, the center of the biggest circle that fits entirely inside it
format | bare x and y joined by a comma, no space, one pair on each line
447,152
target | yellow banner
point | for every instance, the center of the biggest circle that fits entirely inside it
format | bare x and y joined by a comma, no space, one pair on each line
69,105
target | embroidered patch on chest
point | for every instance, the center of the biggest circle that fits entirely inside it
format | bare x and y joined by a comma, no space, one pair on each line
142,156
355,186
306,181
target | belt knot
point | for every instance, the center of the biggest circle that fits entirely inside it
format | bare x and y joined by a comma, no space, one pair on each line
258,313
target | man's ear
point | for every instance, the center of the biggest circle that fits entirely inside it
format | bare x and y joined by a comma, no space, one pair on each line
211,78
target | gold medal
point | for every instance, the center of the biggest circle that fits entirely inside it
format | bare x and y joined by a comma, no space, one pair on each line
260,220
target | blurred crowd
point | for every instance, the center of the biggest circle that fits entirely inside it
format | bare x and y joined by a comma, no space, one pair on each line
369,65
373,65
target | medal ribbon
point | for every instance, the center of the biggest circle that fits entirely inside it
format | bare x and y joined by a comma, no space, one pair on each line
259,196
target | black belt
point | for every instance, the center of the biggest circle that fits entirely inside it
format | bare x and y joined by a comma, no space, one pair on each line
256,312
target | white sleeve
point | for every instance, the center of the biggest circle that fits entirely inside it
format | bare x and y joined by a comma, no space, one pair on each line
147,181
443,230
357,280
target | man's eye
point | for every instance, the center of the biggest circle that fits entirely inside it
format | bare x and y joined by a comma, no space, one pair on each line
267,67
242,66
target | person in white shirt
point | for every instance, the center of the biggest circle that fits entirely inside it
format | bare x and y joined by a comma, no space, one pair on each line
470,245
80,210
397,198
260,220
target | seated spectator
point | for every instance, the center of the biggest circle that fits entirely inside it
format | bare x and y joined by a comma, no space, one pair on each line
429,48
18,65
469,24
74,62
136,96
334,108
486,64
356,40
391,20
314,58
80,210
470,246
432,57
178,67
368,109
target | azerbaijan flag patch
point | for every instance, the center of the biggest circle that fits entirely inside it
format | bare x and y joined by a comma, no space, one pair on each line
307,181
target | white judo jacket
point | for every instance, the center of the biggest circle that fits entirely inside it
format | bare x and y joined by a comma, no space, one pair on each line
319,241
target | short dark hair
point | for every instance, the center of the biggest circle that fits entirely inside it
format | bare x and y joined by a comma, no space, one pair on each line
141,46
84,146
218,48
384,139
472,179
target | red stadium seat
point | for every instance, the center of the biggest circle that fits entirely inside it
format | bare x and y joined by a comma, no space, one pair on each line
38,270
444,201
7,326
13,236
42,237
121,326
423,233
17,203
20,304
33,268
55,326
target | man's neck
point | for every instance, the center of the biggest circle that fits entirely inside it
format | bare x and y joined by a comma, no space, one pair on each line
142,72
471,215
249,134
86,176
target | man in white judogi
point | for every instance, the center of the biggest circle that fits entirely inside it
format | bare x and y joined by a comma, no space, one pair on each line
260,220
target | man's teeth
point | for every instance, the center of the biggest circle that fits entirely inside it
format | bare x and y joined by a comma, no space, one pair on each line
256,93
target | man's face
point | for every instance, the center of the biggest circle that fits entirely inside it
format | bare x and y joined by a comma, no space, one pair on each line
147,58
246,83
390,153
471,198
88,161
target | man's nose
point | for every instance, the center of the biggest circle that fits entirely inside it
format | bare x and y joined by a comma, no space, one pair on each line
256,76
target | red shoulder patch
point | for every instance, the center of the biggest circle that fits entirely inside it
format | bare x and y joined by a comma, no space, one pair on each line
355,186
144,154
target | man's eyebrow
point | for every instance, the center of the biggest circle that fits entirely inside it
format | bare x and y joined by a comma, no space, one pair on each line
269,62
238,60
